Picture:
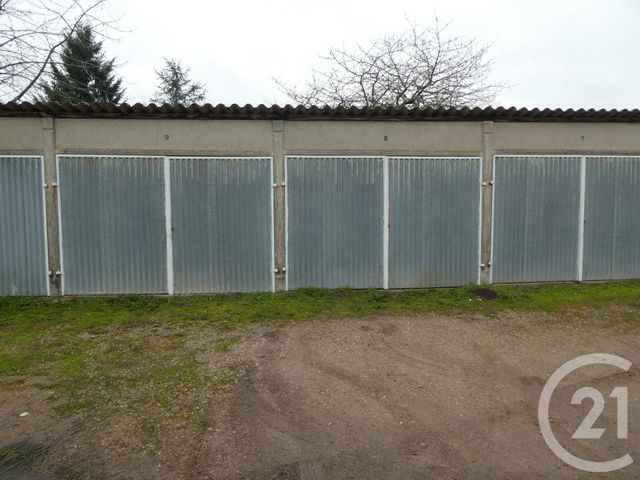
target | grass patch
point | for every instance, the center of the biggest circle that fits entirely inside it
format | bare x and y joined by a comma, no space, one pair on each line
22,454
96,351
224,345
125,368
625,322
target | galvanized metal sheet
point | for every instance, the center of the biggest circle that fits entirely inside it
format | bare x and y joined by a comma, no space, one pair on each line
434,221
23,257
536,218
112,224
221,210
612,218
334,221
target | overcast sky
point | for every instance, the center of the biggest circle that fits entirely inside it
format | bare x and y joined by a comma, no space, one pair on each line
554,53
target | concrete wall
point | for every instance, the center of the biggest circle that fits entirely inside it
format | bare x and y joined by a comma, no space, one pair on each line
24,135
160,137
21,136
580,138
277,138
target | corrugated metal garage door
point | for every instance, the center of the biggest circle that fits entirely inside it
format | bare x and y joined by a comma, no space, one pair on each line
334,221
612,218
536,217
23,251
221,211
434,221
112,224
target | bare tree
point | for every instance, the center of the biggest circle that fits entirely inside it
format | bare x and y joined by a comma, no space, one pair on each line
418,68
31,31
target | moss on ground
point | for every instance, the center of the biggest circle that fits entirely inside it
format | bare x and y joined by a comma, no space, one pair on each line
96,353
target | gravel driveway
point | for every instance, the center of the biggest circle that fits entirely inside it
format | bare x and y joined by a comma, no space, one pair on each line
447,397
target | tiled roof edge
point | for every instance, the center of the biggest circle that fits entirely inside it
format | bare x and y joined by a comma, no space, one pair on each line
289,112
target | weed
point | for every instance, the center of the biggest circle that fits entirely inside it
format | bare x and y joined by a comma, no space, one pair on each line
111,350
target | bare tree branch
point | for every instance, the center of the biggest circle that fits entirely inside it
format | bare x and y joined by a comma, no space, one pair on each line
418,68
31,32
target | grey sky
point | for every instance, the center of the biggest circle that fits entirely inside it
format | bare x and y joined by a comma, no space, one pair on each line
574,53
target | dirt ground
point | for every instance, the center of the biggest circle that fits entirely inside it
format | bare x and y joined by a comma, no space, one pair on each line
447,397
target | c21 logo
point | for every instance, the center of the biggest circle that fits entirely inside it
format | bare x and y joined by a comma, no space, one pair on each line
586,430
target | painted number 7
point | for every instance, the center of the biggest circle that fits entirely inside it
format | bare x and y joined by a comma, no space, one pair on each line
586,429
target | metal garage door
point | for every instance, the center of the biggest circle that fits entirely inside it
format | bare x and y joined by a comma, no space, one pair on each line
112,224
23,251
334,221
434,221
221,211
535,220
612,218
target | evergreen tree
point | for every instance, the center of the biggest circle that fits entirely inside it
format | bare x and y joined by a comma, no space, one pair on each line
175,87
83,75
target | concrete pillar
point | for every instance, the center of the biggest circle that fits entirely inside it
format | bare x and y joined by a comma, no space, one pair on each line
279,231
51,203
487,201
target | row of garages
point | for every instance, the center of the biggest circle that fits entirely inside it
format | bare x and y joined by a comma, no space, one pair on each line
205,224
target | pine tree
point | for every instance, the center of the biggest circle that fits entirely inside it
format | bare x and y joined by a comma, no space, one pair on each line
175,87
83,75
